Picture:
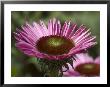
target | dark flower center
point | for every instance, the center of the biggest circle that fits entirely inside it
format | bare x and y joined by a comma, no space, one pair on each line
88,69
54,45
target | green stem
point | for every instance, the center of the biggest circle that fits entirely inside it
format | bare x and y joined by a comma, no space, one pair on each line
53,73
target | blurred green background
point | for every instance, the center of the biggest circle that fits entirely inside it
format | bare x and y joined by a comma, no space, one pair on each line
23,65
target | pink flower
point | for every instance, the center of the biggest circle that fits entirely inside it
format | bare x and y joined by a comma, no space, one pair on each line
84,66
53,42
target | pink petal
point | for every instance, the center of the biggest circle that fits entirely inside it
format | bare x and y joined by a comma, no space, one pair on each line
37,30
83,36
26,48
44,28
50,27
79,32
28,29
53,26
86,40
66,28
63,28
58,27
40,30
28,39
70,72
84,57
71,31
97,60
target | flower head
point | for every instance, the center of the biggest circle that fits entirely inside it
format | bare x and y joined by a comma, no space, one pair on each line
84,66
53,42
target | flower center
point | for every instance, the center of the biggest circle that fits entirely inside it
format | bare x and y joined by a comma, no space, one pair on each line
88,69
54,45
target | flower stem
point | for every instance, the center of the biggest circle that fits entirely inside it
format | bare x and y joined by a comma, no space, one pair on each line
53,73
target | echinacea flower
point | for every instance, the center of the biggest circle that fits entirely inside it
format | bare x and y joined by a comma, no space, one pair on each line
85,65
53,43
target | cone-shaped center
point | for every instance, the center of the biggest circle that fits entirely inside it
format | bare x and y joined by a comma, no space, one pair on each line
88,69
54,45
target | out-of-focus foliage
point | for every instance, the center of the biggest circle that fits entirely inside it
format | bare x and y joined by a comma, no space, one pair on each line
23,65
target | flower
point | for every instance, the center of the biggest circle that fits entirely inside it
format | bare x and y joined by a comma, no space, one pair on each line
85,65
53,42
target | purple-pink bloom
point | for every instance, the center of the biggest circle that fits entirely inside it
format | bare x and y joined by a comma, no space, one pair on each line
53,42
84,65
